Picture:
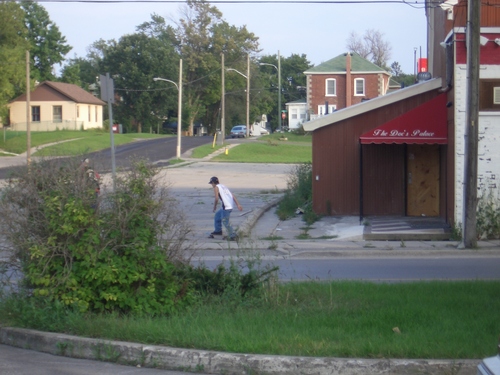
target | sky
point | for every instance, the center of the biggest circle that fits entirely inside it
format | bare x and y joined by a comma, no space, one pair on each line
320,31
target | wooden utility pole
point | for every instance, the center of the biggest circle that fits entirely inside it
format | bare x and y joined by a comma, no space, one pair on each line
471,130
28,110
248,95
223,104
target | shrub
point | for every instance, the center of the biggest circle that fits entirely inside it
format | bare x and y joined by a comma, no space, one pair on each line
488,216
115,252
298,194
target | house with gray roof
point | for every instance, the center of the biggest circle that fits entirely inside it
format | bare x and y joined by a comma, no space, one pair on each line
57,106
343,81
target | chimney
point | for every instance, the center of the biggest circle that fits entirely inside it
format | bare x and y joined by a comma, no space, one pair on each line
348,83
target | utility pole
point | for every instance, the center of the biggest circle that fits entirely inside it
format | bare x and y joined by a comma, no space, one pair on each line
223,105
28,110
279,92
471,130
248,95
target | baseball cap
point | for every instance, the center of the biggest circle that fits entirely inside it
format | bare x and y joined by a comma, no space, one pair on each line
214,180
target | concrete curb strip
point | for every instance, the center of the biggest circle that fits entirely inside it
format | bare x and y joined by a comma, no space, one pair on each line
212,362
246,227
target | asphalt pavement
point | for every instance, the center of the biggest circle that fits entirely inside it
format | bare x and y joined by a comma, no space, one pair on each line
258,187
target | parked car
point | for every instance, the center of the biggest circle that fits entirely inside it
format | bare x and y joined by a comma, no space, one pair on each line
239,131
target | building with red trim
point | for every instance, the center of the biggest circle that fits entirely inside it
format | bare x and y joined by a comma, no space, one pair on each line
402,153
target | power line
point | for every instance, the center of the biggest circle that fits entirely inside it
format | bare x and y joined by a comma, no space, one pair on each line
403,2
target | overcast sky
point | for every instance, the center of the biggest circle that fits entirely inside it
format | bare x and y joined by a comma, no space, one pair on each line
319,31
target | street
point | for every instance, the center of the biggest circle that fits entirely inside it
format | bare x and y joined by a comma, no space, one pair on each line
382,269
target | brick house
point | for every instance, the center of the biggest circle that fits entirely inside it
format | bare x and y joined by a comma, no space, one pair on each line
402,154
57,106
343,81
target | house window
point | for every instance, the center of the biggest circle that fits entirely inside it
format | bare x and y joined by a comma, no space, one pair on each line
302,116
359,87
294,114
57,113
330,87
322,109
489,95
35,113
77,111
89,112
95,113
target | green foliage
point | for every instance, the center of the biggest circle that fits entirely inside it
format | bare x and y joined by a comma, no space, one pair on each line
48,45
230,282
298,195
13,47
96,254
488,216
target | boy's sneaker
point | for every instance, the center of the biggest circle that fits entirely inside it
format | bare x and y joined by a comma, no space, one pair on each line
216,233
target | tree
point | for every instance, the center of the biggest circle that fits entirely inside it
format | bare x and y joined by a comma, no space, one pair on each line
371,46
133,62
48,46
201,37
13,47
293,82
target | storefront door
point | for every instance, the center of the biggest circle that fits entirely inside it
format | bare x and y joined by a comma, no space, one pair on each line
422,180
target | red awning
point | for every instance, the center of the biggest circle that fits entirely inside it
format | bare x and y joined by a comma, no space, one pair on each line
424,124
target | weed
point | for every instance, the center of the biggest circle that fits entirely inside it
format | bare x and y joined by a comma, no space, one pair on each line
402,244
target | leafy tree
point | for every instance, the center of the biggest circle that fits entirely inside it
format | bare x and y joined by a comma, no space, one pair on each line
48,45
293,82
370,46
71,74
133,62
13,47
201,37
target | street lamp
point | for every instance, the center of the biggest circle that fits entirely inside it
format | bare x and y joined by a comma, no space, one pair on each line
179,107
248,94
278,68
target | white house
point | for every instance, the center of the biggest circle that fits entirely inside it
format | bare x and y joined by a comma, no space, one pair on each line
57,105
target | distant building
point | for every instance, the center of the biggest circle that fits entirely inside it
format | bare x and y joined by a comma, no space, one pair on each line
297,113
57,105
343,81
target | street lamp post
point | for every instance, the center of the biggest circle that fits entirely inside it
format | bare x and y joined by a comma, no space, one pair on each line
278,69
179,107
248,95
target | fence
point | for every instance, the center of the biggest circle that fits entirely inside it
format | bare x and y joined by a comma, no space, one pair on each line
48,126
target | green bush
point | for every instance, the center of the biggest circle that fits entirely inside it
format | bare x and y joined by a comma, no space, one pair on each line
298,195
115,252
488,216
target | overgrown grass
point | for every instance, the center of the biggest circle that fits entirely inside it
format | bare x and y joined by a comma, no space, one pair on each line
268,153
453,320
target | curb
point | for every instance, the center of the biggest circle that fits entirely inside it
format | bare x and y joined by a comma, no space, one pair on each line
246,227
212,362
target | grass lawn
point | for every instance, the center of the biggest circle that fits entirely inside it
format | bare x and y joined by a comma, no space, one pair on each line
267,153
453,320
81,141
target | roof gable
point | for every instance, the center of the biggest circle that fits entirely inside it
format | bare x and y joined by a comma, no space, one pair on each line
372,104
61,90
338,65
